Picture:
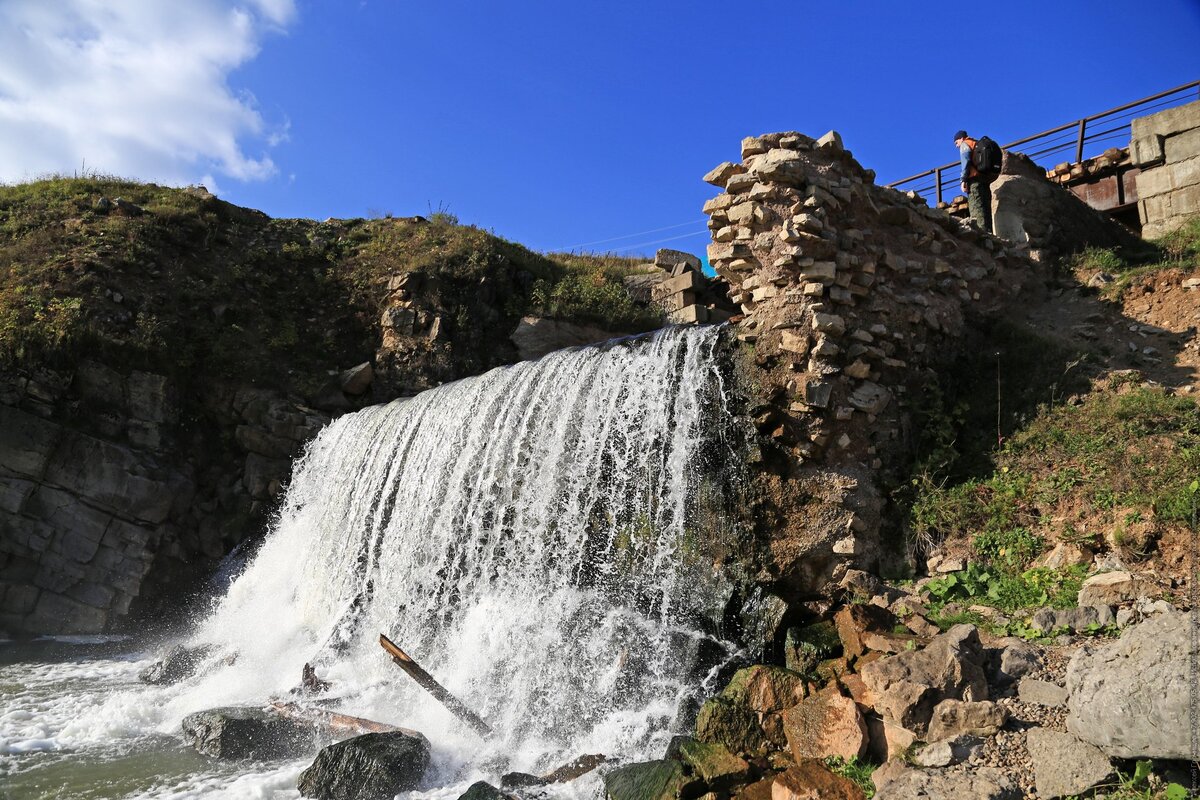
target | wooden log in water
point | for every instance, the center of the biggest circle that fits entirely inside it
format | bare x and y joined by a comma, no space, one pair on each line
335,723
429,684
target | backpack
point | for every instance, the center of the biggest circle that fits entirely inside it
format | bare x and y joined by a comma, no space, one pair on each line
986,156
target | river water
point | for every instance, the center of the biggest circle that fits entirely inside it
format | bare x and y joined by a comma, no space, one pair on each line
537,537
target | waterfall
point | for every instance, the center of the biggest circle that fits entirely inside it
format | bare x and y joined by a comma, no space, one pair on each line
538,537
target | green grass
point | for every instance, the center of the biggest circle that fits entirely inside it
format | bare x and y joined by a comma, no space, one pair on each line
199,288
1178,249
854,770
1122,455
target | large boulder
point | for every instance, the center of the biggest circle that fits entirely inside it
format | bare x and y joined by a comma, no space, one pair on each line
810,780
746,716
375,766
985,783
646,780
176,664
235,732
825,724
1030,210
1063,765
719,768
907,686
1126,697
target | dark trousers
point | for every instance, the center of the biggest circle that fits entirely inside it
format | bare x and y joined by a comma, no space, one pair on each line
979,200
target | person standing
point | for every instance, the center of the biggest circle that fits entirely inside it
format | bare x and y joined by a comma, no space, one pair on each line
977,186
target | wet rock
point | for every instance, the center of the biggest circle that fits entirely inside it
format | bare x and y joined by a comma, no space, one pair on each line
237,733
745,716
1063,765
482,790
1125,697
811,780
719,768
825,724
177,663
647,780
375,766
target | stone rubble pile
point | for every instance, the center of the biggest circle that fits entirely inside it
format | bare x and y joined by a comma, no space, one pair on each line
849,293
683,291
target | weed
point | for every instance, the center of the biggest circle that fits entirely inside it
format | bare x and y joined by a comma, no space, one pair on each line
854,770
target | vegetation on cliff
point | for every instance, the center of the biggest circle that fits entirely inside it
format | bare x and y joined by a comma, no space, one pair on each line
179,282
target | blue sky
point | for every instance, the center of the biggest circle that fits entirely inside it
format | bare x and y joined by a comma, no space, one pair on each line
557,125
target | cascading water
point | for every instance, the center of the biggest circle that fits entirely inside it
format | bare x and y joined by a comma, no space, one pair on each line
539,537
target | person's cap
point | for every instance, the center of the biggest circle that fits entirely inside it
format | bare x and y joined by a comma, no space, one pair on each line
960,135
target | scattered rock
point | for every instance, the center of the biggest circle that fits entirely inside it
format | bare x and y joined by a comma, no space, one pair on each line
1063,765
646,780
1012,661
955,718
237,733
949,751
986,783
1110,589
825,724
1127,697
719,768
375,766
908,685
811,780
1042,693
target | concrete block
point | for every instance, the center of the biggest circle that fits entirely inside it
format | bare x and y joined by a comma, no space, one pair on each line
688,315
1182,146
1171,120
1146,150
688,281
1156,181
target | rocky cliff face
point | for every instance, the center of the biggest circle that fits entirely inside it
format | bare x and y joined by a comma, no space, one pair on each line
852,295
165,358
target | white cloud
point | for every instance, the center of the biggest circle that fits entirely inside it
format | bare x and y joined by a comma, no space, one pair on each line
137,88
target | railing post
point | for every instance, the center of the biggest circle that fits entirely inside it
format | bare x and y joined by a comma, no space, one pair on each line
1079,145
937,175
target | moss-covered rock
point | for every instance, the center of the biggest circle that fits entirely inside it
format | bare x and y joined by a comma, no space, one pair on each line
719,768
647,780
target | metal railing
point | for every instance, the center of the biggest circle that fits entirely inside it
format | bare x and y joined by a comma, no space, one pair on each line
1107,126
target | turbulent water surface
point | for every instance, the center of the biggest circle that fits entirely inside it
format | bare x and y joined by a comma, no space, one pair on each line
538,537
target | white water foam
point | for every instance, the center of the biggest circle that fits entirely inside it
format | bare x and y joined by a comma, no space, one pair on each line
532,536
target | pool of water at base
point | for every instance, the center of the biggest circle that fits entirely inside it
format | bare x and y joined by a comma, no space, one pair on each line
57,741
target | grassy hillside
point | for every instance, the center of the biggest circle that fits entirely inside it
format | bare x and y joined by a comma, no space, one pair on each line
195,285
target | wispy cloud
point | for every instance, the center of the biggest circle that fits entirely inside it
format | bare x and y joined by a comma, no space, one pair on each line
137,88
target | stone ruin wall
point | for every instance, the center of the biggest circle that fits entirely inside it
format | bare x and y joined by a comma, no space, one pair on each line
851,294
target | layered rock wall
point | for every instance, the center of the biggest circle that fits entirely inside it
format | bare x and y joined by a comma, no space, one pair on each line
851,293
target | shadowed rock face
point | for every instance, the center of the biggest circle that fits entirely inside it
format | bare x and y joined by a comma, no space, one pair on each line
1030,210
376,766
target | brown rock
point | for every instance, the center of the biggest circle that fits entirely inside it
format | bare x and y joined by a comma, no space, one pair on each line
826,724
856,621
810,780
954,718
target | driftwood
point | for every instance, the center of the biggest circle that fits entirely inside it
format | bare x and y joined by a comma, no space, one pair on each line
429,684
335,723
567,772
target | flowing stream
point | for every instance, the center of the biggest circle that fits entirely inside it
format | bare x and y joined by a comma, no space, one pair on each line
539,537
